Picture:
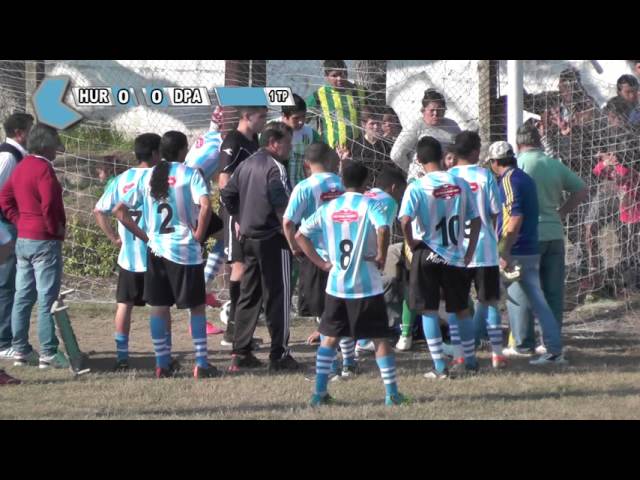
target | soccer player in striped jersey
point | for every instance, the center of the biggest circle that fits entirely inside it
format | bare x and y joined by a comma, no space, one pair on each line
390,184
483,269
132,259
356,237
176,208
319,188
433,215
205,156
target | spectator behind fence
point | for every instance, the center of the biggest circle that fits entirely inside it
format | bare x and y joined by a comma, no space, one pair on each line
391,126
32,200
370,149
16,127
518,245
337,105
303,136
433,123
627,87
552,179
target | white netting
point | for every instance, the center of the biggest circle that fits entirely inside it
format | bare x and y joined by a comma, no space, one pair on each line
101,146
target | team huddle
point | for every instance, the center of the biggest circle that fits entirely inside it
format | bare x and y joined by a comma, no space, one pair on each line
332,230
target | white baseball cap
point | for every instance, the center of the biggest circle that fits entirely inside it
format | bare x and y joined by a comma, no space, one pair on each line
499,150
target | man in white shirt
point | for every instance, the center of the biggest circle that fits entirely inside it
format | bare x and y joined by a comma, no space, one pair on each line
16,127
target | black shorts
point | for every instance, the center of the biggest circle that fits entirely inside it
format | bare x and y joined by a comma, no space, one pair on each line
232,247
215,225
487,283
357,318
130,288
429,273
312,284
167,283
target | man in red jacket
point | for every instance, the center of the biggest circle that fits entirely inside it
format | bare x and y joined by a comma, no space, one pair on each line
32,200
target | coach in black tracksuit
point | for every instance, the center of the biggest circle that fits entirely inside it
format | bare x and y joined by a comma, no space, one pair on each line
256,195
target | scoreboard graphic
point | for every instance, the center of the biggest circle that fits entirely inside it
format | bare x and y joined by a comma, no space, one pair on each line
49,106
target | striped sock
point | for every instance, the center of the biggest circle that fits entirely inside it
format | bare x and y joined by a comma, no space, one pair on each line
348,349
431,327
387,367
159,339
494,329
454,333
468,341
199,336
324,359
215,260
407,319
479,322
335,363
122,346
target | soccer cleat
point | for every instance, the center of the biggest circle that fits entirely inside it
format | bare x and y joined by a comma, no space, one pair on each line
209,372
21,360
121,366
211,301
549,359
434,374
211,329
226,343
514,352
318,400
541,350
404,343
6,379
460,369
286,363
398,399
498,361
238,362
174,365
7,354
368,347
349,371
164,372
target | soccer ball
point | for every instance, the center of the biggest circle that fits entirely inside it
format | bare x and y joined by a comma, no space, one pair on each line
225,312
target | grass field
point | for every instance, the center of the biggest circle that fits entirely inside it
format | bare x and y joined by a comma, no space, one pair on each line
602,381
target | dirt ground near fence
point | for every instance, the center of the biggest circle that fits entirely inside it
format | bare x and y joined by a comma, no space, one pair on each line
601,382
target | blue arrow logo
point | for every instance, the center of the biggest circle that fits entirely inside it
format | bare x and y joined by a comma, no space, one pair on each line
49,105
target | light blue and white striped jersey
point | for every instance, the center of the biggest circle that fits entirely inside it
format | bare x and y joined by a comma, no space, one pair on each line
133,251
308,196
205,154
348,225
487,199
5,236
439,205
170,221
387,203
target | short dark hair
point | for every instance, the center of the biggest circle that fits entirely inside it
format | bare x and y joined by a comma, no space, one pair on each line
626,79
17,121
617,105
429,150
431,95
274,131
354,175
465,143
510,161
570,75
144,145
389,176
250,109
300,106
319,152
369,113
171,144
331,65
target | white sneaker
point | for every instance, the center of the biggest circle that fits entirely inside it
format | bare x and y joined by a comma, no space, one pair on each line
21,360
541,350
549,359
58,360
225,343
512,352
404,343
7,354
369,346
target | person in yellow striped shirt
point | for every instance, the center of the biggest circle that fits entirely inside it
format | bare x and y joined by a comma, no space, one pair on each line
337,105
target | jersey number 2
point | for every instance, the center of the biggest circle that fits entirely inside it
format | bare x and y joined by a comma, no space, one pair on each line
167,219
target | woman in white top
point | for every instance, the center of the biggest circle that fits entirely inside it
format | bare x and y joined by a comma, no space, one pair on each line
433,123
